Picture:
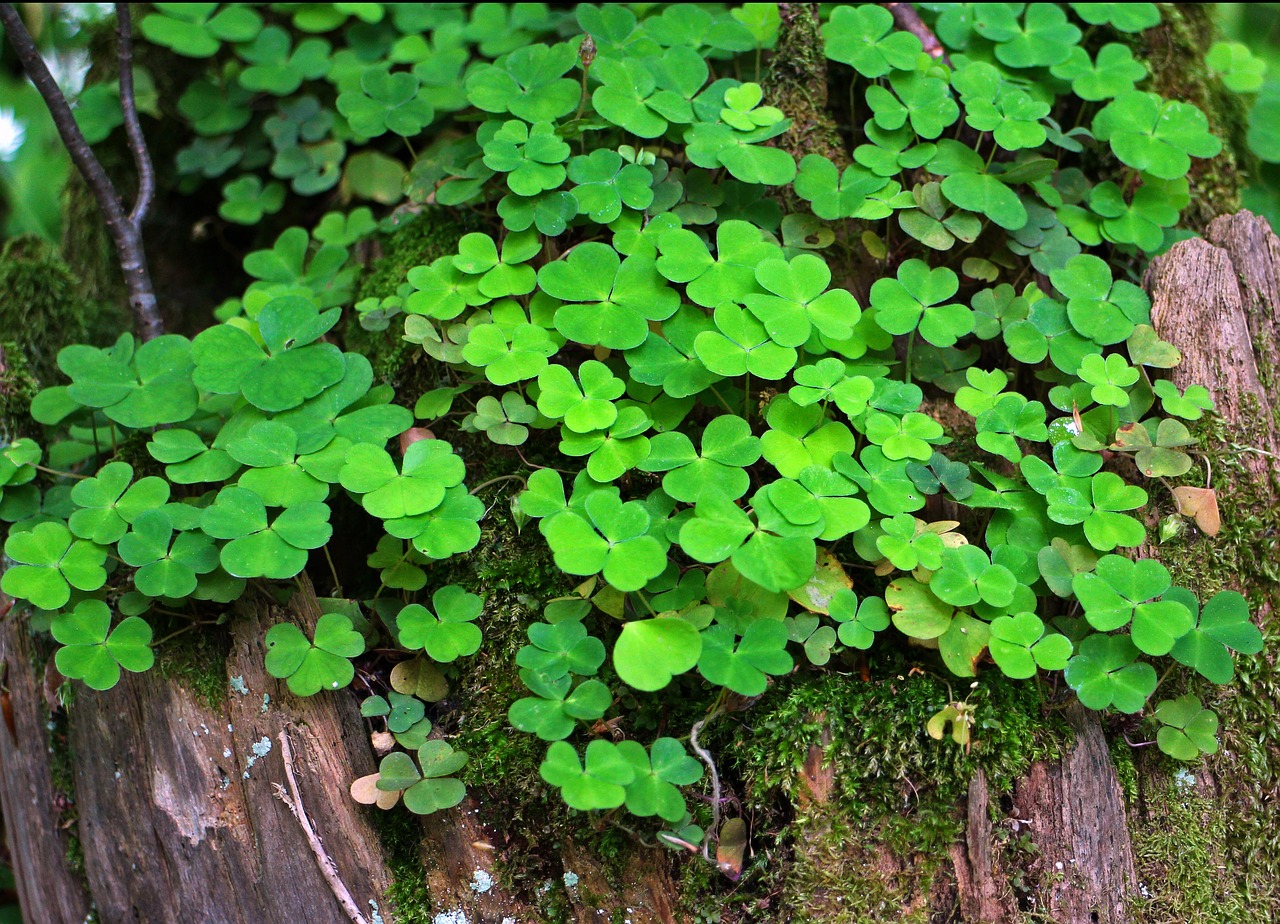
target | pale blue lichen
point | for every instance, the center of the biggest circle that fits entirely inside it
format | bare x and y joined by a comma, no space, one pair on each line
481,881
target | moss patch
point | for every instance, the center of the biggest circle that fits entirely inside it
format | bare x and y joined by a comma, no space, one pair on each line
197,660
40,305
408,896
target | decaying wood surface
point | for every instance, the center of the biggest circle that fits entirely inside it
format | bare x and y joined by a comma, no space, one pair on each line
47,890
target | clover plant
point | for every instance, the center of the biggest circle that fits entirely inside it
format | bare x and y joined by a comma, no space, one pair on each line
745,365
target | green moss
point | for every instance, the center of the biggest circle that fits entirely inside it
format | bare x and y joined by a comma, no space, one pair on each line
418,239
197,660
40,305
796,83
866,844
409,898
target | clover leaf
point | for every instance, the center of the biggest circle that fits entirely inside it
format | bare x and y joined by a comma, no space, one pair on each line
598,782
1187,728
50,561
504,422
858,622
136,388
916,611
309,666
1105,672
279,68
855,193
1189,405
197,30
500,274
649,652
923,100
1123,17
799,301
529,83
431,788
741,345
744,667
991,105
967,576
585,404
643,96
258,548
906,437
604,183
229,361
658,773
1096,503
554,711
1112,72
509,356
1019,645
607,536
729,275
670,358
1221,626
728,448
532,156
561,648
720,530
865,38
94,652
618,298
108,503
915,298
167,567
1122,593
1110,377
828,380
428,469
386,102
449,632
614,451
1011,416
1154,135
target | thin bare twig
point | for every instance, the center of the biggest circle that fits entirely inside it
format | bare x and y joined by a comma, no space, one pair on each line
715,776
132,127
908,20
126,233
328,868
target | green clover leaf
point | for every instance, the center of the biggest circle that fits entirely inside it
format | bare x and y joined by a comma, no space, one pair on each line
855,193
728,448
620,297
1126,593
643,96
109,503
1044,37
597,783
1123,17
906,437
799,301
604,183
987,195
228,360
504,422
658,773
561,648
1154,135
532,157
197,30
1222,626
740,345
967,576
584,404
257,549
917,612
167,567
1187,729
1113,72
448,633
277,67
509,356
669,359
607,536
500,274
1105,672
92,654
720,530
744,667
386,102
1010,417
799,437
428,469
718,145
912,96
529,83
311,666
887,484
50,561
649,652
865,38
612,452
1189,405
858,623
554,711
137,389
729,275
915,298
431,789
1110,378
1020,645
1096,503
1239,69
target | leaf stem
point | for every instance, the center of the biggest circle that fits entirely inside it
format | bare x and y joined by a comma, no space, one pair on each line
333,572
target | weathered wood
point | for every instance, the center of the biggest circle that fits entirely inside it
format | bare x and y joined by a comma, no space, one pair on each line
48,891
982,893
178,813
